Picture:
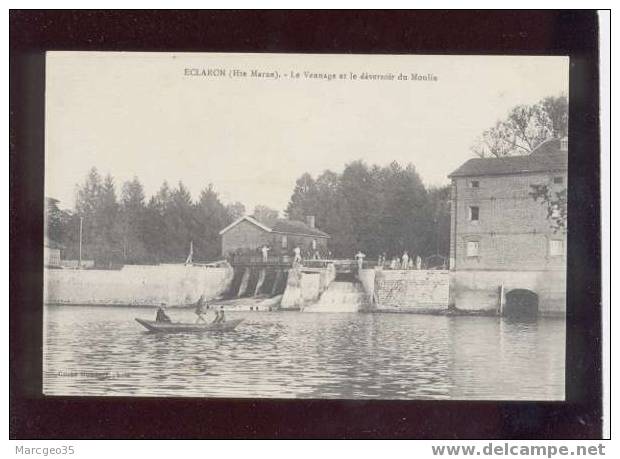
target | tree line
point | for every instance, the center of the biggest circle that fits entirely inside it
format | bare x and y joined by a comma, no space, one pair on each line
131,230
375,210
369,208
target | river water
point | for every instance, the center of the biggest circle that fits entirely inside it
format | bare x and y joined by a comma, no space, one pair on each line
95,350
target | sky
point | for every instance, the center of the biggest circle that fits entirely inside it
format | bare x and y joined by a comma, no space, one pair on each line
190,117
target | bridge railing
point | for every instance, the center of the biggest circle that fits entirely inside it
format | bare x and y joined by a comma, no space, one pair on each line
312,263
245,259
341,265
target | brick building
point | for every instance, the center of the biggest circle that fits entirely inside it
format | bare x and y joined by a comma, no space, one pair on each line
247,234
504,252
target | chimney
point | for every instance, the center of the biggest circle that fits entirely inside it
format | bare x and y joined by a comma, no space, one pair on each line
310,220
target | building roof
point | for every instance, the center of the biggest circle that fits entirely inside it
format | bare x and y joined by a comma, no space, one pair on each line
281,226
547,157
296,227
248,219
548,146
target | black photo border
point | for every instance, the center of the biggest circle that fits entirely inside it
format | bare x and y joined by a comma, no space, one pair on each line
571,33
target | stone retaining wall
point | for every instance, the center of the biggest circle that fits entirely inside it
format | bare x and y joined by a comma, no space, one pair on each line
410,290
479,290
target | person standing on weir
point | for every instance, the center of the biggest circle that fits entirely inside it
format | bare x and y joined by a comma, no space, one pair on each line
297,252
405,260
394,263
265,251
360,260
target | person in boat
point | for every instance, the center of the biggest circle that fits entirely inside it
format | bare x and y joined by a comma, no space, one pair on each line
219,316
201,309
162,316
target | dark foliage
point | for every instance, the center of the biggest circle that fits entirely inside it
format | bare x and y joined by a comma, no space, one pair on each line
134,231
375,209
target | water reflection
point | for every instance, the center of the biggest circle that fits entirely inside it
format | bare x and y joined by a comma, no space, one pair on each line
102,351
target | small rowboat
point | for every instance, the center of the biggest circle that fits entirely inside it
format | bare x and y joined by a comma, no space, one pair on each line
179,327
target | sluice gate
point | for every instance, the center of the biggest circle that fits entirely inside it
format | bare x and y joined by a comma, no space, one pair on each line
256,281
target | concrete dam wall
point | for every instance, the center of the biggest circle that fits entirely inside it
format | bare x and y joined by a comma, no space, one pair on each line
136,285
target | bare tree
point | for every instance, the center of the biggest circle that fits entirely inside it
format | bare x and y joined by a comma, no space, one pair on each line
525,127
496,141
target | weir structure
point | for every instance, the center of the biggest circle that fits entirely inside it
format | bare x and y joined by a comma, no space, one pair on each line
254,277
341,296
339,287
311,286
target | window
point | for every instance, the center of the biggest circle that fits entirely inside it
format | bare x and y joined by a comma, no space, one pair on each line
474,213
284,242
556,247
558,180
474,184
473,248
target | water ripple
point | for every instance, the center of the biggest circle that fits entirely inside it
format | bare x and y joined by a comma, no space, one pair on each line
103,351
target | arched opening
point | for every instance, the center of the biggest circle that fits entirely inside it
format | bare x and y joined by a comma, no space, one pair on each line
521,303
